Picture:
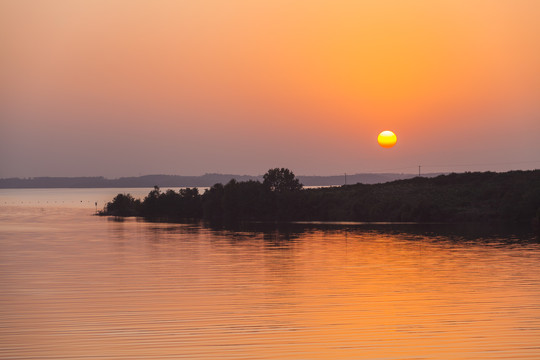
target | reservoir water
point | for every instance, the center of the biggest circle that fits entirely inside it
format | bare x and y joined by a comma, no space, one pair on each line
78,286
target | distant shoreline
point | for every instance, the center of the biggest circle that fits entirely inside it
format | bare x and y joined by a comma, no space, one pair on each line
207,180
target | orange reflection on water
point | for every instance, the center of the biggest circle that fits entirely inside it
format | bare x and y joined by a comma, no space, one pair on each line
77,286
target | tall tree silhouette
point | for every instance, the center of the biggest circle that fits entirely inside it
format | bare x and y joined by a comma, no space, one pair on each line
281,180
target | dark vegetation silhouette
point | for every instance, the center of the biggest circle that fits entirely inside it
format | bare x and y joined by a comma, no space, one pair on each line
468,197
123,205
281,180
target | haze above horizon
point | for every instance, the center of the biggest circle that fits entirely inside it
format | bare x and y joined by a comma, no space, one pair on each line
123,88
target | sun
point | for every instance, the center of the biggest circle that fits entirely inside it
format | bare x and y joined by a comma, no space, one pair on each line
387,139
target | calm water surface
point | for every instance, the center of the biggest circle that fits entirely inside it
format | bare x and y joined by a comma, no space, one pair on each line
77,286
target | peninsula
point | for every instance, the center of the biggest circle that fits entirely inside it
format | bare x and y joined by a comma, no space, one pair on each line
512,196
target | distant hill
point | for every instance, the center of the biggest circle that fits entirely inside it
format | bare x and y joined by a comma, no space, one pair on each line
206,180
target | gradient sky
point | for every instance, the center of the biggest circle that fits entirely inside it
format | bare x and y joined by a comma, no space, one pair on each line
122,88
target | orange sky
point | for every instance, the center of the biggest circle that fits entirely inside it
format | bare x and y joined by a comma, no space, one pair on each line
122,87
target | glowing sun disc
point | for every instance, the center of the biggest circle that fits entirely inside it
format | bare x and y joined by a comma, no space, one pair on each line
387,139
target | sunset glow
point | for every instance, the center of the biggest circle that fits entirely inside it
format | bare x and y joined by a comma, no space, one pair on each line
126,88
200,179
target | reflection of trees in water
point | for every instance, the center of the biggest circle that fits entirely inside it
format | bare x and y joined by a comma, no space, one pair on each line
273,234
477,232
170,232
284,235
279,238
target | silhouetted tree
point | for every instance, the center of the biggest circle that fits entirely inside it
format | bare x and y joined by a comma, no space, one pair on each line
190,203
245,200
150,204
281,180
212,202
123,205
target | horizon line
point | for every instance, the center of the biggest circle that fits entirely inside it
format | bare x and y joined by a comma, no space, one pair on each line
261,175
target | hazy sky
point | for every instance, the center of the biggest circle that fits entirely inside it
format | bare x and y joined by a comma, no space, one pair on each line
127,87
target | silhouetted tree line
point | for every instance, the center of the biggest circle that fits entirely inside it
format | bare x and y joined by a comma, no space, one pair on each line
468,197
